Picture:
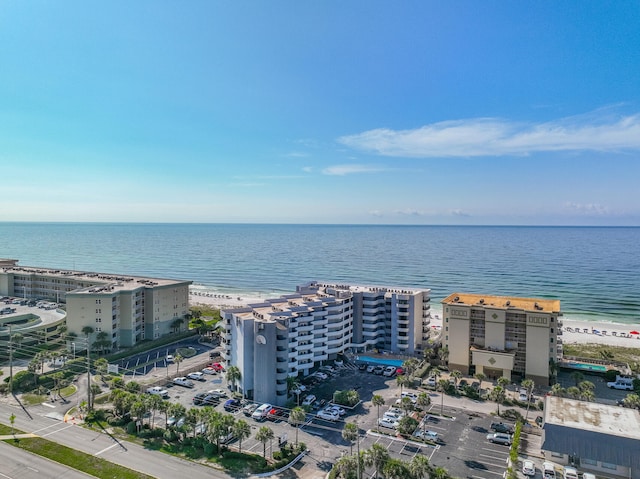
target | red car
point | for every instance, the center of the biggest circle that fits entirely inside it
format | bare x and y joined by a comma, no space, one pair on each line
399,371
217,367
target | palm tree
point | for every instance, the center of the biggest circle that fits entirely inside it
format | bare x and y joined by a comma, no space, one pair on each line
503,382
423,400
241,430
376,456
577,377
557,390
442,386
233,376
349,434
410,365
402,380
420,467
347,467
480,377
264,435
443,355
439,473
528,385
177,359
456,375
377,401
573,392
498,394
296,417
395,469
101,365
176,410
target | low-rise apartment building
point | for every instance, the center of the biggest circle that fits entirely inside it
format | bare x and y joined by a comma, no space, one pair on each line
290,335
502,336
128,308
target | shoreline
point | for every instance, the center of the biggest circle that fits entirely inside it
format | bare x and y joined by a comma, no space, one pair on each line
597,332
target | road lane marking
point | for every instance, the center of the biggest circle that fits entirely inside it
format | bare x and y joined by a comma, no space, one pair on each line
57,431
105,449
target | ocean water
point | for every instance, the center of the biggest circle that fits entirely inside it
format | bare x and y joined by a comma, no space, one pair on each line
595,272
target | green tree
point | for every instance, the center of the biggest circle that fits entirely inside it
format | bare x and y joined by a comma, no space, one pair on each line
349,434
558,390
442,386
376,456
233,377
377,401
12,421
456,375
420,467
498,394
424,401
347,467
101,365
395,469
297,416
402,380
407,425
242,431
264,435
177,359
528,385
577,377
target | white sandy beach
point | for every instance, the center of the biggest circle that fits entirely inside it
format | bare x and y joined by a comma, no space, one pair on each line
612,334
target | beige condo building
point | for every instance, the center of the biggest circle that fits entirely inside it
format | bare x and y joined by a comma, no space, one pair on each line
502,336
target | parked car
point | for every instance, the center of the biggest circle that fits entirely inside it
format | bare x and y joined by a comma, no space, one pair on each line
158,391
196,376
399,371
412,396
570,473
261,412
277,413
393,416
428,435
249,409
221,393
177,422
320,375
328,415
334,407
183,381
232,405
548,470
211,400
388,422
370,368
199,398
209,370
500,438
431,381
169,358
362,366
501,427
217,366
389,371
528,468
309,400
378,370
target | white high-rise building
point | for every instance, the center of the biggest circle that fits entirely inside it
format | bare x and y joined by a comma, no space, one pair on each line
290,335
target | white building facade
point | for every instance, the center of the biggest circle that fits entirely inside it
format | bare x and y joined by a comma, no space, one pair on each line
291,335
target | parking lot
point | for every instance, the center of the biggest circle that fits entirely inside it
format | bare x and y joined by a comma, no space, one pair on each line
463,448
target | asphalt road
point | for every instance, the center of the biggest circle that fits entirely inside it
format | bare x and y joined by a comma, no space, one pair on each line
18,464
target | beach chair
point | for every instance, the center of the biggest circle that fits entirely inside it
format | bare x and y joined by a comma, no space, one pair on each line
569,330
585,330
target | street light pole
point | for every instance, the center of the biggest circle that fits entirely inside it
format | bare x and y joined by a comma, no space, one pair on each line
73,348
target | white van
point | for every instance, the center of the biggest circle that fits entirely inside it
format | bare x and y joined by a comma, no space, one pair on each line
588,475
548,470
570,473
262,411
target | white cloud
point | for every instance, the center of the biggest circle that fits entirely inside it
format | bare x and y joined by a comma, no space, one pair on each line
496,137
342,170
587,209
458,212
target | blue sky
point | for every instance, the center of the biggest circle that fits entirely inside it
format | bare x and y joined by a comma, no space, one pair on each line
419,112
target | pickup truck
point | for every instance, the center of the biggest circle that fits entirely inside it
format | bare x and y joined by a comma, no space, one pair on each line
158,391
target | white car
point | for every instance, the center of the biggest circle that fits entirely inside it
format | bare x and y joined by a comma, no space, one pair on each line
528,468
320,375
370,368
392,416
220,393
412,396
177,422
209,371
388,422
431,381
335,408
309,400
429,435
170,358
158,391
328,415
196,376
389,371
261,412
183,381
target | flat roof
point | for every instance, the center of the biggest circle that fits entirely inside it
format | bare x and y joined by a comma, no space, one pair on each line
115,282
591,416
484,300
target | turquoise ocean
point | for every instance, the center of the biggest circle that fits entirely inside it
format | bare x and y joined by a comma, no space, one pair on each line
594,272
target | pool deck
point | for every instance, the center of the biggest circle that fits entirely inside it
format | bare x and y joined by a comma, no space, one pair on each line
590,366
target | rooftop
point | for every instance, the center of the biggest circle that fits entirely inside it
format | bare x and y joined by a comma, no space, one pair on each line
594,417
504,302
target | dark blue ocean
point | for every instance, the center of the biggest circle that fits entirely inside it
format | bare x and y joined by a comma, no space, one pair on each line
594,272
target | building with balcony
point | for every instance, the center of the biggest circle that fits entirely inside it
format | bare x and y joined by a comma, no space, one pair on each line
128,308
293,334
502,336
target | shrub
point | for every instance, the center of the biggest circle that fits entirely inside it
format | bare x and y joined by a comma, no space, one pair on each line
611,374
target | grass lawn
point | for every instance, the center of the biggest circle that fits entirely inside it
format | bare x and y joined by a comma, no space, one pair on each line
31,399
68,391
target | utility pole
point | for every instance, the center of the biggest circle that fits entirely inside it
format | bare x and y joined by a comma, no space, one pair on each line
358,473
89,405
10,361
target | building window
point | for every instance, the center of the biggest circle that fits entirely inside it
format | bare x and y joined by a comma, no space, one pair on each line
551,340
556,454
98,301
98,311
608,465
588,461
98,320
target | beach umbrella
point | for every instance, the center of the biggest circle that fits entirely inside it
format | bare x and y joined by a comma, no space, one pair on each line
634,332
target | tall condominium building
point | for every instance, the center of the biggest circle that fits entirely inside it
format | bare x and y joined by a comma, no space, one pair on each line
289,336
129,309
502,336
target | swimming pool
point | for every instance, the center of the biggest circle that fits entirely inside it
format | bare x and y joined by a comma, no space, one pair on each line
386,362
586,367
